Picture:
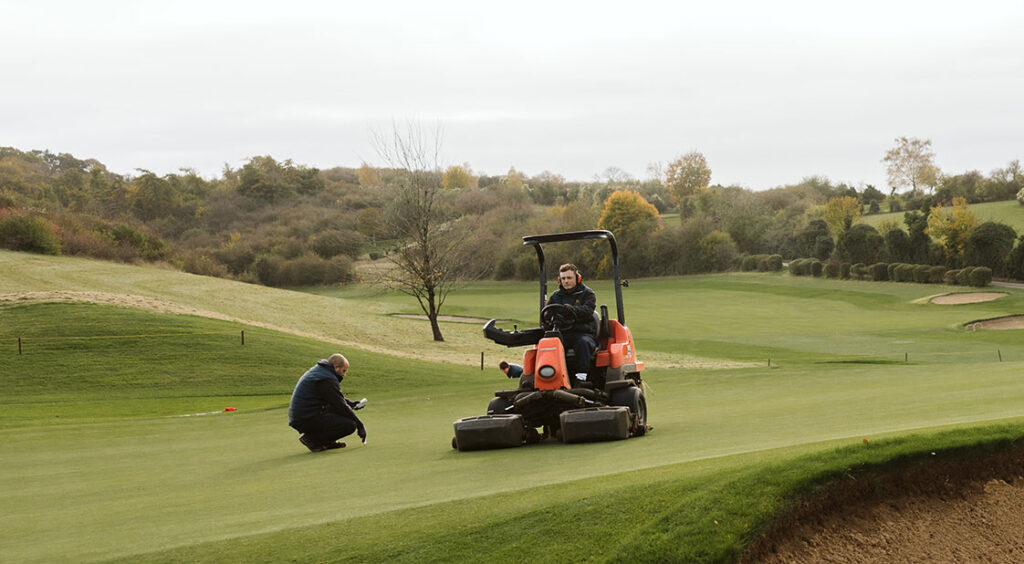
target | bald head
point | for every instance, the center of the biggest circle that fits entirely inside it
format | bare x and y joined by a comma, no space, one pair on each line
340,364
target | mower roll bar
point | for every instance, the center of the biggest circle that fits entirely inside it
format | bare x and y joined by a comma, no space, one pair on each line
537,240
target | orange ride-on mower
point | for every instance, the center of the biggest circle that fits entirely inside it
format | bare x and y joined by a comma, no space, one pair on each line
608,405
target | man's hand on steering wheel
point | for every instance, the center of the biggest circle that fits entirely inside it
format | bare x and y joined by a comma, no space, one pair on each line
557,316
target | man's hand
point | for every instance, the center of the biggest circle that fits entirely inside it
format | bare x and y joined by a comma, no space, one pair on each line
359,404
361,431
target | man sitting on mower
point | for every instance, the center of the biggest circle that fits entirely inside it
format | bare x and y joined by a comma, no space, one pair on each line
579,302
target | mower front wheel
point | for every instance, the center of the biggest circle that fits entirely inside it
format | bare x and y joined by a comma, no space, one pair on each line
498,406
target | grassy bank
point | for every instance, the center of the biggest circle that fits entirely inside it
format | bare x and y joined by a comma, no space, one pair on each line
99,464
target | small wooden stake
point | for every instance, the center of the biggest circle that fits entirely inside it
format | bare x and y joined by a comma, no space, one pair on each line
481,361
243,337
1000,353
19,346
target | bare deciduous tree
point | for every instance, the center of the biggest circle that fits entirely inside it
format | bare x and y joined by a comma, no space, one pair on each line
428,263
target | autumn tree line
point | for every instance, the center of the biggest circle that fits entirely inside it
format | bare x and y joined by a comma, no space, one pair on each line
280,223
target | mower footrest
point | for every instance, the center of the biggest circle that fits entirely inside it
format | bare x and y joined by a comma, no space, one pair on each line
594,424
489,431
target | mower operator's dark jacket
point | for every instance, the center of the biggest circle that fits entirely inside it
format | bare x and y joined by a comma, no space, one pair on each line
319,391
583,301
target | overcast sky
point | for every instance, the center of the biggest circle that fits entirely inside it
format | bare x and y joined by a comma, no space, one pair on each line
770,92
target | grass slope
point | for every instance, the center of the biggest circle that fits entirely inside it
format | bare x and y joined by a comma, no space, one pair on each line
1009,212
98,467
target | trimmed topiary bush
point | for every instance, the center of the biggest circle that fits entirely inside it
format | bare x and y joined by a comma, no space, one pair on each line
937,275
891,270
816,268
860,271
980,276
830,269
844,270
922,273
963,278
950,276
879,271
903,273
774,263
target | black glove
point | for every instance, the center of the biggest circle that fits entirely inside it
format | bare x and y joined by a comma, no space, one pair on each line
361,431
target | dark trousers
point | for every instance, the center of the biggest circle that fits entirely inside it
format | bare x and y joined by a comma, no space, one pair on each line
326,428
583,345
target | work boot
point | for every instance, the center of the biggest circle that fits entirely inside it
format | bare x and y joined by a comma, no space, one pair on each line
313,447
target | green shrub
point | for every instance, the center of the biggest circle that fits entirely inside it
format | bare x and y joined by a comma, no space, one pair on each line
774,263
904,273
860,271
797,267
201,264
890,270
749,263
844,270
336,242
937,275
816,268
963,278
879,271
950,276
830,269
28,234
132,243
980,276
922,273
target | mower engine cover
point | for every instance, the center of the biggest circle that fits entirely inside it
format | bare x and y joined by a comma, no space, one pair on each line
489,431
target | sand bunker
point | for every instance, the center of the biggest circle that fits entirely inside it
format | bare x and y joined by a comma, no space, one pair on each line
967,298
998,323
965,512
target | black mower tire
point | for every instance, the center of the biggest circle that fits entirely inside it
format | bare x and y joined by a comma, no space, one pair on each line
633,398
498,406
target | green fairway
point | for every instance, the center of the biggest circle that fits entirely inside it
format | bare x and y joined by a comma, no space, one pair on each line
99,463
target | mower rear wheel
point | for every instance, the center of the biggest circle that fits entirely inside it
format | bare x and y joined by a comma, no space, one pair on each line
633,398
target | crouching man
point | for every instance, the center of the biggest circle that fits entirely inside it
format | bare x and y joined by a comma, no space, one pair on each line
320,411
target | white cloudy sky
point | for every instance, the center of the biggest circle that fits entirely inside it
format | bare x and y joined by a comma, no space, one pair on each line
770,92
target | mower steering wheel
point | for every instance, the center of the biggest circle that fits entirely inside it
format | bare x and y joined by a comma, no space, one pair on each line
556,316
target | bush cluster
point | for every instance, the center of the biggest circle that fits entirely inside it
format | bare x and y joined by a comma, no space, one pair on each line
978,276
29,234
760,263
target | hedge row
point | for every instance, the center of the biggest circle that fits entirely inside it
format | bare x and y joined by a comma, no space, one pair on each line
897,272
761,263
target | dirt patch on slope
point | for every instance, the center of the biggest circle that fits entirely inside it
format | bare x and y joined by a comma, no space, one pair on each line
964,510
967,298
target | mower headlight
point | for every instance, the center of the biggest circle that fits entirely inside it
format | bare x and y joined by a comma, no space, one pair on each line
547,371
